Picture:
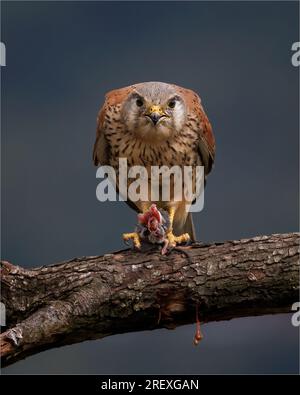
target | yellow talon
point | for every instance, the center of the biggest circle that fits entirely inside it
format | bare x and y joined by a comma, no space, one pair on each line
173,240
134,237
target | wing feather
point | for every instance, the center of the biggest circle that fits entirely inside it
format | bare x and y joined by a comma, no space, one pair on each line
101,148
113,98
101,151
206,146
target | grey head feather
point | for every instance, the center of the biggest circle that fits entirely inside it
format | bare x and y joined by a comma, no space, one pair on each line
156,92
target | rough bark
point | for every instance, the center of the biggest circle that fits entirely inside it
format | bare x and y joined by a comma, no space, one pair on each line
93,297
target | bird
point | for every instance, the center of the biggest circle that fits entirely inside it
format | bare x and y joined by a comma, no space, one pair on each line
156,124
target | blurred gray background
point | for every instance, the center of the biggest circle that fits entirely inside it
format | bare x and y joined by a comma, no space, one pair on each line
61,59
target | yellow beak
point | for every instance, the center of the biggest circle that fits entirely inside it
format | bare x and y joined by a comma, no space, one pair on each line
155,113
156,109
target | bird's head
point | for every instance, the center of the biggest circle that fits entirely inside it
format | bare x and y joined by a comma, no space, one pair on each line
154,111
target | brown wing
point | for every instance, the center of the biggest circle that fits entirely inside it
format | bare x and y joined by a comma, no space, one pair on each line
101,152
113,98
101,148
206,138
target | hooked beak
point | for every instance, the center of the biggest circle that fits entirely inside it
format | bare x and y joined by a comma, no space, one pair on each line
155,113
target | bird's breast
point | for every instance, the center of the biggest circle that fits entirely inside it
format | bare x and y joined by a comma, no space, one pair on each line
169,153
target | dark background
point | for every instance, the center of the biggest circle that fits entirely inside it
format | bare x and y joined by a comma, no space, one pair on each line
61,59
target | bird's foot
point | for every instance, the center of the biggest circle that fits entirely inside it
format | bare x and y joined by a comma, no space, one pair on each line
174,240
134,237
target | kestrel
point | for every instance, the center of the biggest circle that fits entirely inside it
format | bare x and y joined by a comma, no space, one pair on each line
156,124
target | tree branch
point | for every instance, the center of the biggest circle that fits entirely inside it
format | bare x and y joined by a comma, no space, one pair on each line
94,297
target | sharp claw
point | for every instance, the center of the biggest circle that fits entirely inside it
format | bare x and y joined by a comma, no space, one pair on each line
135,239
174,240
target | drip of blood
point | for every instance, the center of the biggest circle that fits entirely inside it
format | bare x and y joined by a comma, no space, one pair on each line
198,335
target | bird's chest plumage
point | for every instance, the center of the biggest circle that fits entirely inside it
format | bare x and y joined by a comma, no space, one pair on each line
180,151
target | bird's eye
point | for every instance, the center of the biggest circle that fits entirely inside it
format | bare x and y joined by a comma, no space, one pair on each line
139,102
172,103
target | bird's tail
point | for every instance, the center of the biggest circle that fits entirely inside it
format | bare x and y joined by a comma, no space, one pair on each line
187,227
